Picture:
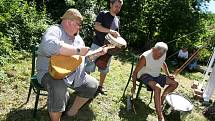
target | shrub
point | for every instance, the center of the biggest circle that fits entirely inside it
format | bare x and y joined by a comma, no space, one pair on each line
6,48
22,23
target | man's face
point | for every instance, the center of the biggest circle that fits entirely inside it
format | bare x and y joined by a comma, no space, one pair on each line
74,27
157,54
116,7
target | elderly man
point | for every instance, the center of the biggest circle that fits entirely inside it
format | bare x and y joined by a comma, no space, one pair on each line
148,70
64,39
106,22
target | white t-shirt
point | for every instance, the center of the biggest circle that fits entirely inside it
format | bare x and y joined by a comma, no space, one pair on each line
182,54
152,67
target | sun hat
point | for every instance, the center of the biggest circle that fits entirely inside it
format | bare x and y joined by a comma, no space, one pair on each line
72,14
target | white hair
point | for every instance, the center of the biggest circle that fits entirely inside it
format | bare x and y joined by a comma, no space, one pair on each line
162,47
113,1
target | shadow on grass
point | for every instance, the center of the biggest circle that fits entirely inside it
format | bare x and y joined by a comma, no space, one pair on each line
142,109
171,115
174,115
84,114
20,114
27,115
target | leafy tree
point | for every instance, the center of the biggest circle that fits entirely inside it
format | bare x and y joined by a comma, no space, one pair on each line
22,23
162,20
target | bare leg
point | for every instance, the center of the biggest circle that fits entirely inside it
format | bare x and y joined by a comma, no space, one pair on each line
157,99
55,116
78,103
102,79
172,85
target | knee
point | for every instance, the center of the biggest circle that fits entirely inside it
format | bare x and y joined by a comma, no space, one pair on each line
157,89
175,84
60,91
57,87
93,85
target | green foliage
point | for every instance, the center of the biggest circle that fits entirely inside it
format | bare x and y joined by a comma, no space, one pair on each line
165,20
179,22
204,55
6,48
22,23
56,8
87,8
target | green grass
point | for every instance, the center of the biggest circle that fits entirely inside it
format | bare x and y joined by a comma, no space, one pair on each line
15,83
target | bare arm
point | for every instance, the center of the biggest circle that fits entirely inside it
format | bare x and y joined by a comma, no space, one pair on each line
140,64
100,28
69,50
166,71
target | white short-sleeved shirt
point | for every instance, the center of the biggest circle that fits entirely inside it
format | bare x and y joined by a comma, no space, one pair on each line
152,67
182,54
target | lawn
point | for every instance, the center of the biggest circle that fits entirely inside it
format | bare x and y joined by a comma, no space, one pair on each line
14,83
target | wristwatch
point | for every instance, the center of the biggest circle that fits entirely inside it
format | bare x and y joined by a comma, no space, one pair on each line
78,50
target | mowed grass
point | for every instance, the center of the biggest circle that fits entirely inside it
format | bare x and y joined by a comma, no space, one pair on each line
112,107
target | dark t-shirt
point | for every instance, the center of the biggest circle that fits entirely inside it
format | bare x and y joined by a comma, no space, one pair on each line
107,21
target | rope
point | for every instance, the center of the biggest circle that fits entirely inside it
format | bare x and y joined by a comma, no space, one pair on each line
211,27
172,55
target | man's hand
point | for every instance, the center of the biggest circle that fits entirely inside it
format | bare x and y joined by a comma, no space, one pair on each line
114,33
133,90
134,78
84,50
171,76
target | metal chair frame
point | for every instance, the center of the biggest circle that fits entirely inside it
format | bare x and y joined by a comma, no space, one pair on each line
135,58
37,88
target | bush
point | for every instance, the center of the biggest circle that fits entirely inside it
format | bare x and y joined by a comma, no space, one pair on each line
22,23
205,55
6,48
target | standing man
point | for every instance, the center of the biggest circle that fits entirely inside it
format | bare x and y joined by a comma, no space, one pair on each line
64,39
106,22
148,70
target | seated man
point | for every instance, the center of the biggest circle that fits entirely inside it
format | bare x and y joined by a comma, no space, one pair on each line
193,64
63,39
182,56
148,70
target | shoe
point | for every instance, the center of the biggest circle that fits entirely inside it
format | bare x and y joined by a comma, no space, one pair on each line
101,90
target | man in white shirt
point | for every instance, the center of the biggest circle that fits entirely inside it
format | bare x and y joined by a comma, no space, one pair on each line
148,70
182,56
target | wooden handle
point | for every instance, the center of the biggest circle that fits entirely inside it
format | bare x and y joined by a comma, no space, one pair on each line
188,61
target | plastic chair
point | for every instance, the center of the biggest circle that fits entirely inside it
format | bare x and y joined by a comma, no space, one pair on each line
135,58
37,88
